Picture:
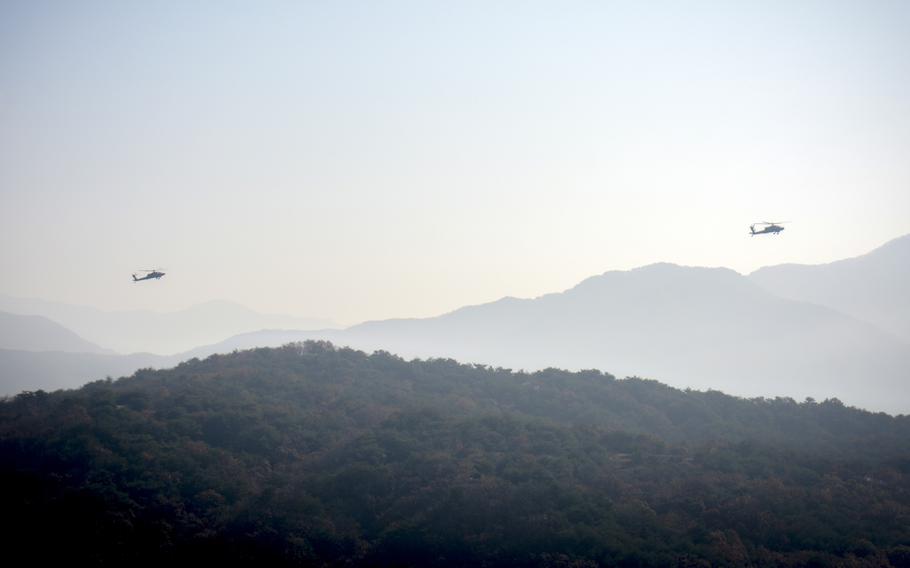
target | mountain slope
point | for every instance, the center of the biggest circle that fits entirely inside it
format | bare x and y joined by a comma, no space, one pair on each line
873,287
36,333
158,332
311,455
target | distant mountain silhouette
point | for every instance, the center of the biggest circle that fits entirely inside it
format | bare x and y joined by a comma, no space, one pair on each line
52,370
158,332
704,328
687,327
36,333
874,287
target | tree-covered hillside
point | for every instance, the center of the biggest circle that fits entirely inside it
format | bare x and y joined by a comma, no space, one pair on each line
312,455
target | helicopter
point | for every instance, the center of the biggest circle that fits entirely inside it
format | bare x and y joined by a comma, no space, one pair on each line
155,273
769,228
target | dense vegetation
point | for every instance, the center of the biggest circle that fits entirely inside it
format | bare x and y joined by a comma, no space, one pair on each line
312,455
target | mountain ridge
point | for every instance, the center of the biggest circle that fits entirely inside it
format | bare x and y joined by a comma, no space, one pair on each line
165,332
698,327
872,287
38,333
311,454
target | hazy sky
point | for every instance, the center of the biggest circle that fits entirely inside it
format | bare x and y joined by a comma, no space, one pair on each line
363,160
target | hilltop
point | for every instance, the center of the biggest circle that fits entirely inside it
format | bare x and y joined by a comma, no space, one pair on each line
313,455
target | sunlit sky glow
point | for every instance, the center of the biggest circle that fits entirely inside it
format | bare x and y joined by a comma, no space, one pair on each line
365,160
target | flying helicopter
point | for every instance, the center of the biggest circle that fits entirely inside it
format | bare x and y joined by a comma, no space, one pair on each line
155,273
770,227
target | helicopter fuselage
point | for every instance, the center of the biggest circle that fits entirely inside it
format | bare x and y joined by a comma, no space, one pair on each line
771,229
151,275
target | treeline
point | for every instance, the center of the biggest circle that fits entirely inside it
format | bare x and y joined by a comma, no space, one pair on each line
312,455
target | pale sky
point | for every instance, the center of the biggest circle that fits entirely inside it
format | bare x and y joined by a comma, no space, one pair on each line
366,160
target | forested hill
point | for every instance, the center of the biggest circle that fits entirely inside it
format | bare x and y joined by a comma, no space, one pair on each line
312,455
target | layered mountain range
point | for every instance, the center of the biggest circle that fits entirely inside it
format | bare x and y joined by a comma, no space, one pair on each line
156,332
874,287
835,330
